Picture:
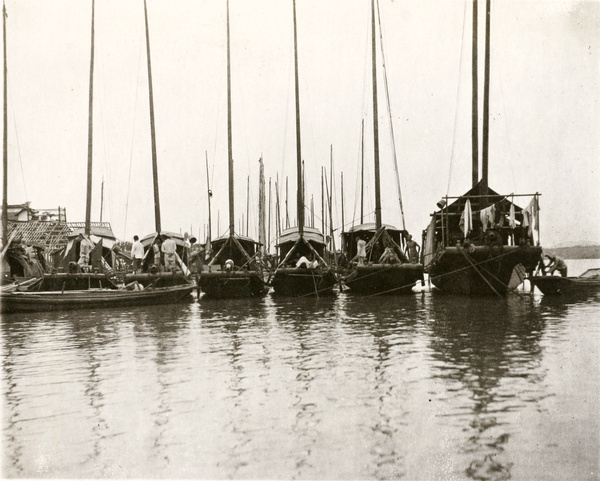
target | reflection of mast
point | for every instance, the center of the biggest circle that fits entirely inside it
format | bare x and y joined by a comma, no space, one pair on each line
152,132
88,198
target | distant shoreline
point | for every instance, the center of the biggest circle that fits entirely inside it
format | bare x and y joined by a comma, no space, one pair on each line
575,252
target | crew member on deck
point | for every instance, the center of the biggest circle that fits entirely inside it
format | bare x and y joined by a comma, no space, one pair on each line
137,254
412,250
361,251
169,249
85,248
556,264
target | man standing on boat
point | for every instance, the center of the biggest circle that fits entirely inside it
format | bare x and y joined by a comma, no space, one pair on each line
85,248
556,264
137,254
361,251
412,250
169,249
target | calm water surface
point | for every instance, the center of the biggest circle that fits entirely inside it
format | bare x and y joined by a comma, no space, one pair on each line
417,387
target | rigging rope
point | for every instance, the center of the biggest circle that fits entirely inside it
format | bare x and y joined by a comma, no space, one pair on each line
137,87
512,170
20,158
387,95
462,42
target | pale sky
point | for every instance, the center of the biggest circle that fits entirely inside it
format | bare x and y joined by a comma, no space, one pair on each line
544,125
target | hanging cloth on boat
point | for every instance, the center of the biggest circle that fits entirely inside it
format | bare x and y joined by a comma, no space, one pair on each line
488,217
466,219
531,216
511,216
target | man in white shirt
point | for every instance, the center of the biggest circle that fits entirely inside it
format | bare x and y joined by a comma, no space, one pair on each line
169,249
137,254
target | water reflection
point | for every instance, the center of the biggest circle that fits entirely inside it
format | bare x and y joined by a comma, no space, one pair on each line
486,345
416,387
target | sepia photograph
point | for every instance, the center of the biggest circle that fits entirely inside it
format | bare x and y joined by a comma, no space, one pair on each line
300,239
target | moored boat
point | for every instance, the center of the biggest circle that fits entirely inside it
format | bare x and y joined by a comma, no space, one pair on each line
586,283
482,243
290,278
233,271
383,267
42,294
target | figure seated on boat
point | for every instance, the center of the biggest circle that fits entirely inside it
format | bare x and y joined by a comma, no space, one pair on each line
389,256
134,286
304,262
556,264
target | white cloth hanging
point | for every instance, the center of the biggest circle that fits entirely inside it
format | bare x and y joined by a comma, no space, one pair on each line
511,216
488,217
466,219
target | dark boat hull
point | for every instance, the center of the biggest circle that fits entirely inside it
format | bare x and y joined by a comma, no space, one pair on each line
384,278
556,286
483,270
303,282
32,301
231,285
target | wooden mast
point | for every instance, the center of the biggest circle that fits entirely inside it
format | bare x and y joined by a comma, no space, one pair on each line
486,97
209,195
474,102
88,198
375,121
5,142
229,147
152,130
362,171
300,196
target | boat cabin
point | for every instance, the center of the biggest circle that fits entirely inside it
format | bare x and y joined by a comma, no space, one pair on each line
289,248
367,232
226,248
481,217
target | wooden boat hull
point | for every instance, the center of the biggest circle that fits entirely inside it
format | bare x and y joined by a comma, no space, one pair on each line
557,286
159,279
231,285
384,278
32,301
296,282
482,270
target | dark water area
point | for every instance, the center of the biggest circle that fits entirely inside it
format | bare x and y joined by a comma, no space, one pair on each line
414,387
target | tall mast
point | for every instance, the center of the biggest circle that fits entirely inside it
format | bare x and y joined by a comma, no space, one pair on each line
362,171
88,198
229,148
261,208
300,196
101,198
475,108
486,97
342,199
209,195
152,131
5,142
375,121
